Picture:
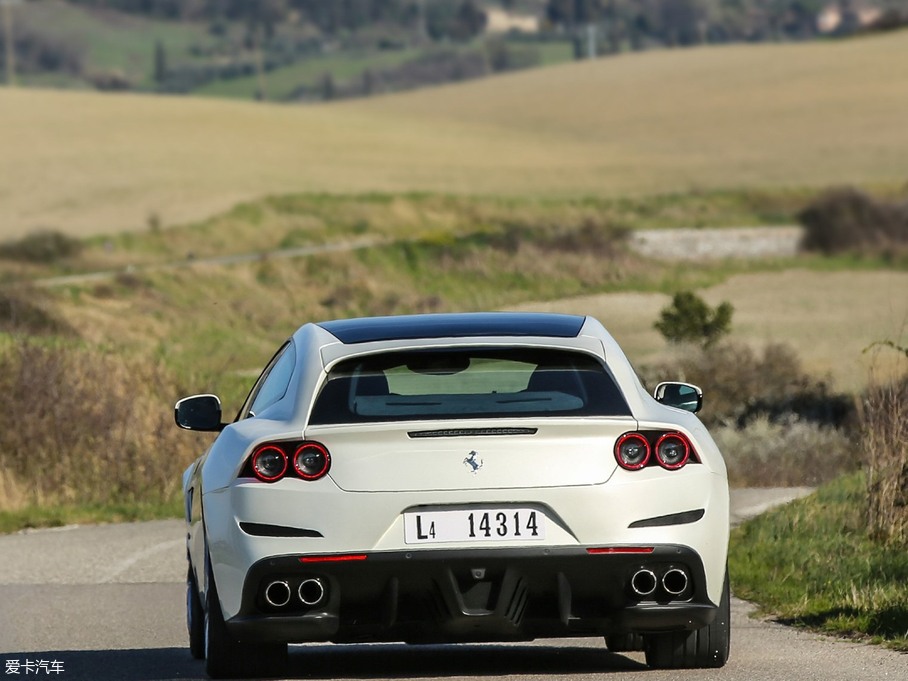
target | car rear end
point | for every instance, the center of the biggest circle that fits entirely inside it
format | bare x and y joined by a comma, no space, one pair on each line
473,489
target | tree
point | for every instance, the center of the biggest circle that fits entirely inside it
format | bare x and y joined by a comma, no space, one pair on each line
160,63
682,21
368,82
469,22
459,21
571,12
690,318
327,86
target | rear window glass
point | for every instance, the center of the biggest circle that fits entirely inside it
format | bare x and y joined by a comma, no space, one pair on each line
471,383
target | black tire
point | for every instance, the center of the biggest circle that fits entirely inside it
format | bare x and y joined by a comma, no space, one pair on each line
225,657
624,643
700,649
195,617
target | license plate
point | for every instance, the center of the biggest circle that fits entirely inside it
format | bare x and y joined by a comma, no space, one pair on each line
474,525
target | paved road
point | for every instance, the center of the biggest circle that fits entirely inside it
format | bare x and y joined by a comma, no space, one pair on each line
107,603
725,242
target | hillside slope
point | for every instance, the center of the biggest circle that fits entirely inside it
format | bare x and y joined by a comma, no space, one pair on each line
792,114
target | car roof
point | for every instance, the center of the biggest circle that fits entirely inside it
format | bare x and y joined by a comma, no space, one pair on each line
463,325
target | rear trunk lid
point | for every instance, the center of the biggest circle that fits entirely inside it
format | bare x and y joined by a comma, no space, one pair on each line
473,454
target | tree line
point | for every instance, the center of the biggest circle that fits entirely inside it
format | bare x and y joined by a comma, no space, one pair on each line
455,19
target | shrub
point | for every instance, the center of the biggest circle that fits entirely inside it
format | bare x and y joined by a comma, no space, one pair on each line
45,246
884,421
847,219
590,237
890,20
790,454
775,425
740,385
85,427
111,80
40,53
690,318
22,312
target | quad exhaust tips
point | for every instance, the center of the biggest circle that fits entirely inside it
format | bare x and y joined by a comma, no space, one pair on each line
277,594
644,582
312,591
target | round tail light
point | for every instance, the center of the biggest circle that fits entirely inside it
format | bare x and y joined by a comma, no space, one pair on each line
269,463
632,451
311,461
672,451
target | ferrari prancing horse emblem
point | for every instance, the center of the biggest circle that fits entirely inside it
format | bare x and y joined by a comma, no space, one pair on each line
474,462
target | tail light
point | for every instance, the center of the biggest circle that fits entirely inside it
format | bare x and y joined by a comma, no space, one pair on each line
311,461
671,450
270,461
632,451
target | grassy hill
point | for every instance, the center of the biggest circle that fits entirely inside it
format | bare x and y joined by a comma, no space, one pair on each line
755,115
108,40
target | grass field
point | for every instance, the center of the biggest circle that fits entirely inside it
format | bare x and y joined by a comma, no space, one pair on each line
471,254
812,564
747,115
828,317
159,334
111,40
299,220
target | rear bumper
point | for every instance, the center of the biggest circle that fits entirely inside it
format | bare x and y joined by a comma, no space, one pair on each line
431,596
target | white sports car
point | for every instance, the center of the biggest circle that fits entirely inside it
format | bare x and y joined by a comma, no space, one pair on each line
452,478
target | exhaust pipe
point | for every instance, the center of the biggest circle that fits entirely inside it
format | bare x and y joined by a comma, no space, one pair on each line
674,581
312,591
277,594
643,582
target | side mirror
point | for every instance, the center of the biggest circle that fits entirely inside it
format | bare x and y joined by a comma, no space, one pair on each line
680,396
199,412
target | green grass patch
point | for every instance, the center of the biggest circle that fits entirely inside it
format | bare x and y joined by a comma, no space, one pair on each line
811,563
34,517
555,52
295,220
281,83
112,41
440,253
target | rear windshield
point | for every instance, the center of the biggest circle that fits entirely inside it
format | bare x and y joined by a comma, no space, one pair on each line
467,383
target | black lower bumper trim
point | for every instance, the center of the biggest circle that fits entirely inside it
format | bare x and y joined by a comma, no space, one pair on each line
432,596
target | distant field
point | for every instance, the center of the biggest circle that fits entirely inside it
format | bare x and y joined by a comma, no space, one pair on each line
753,115
828,317
111,40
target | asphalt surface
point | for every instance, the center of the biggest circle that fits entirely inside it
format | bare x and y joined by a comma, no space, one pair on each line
106,603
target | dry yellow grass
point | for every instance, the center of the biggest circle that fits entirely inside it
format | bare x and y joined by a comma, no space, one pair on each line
747,115
828,317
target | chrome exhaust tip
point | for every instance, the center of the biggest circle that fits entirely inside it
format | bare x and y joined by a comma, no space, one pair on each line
277,594
674,581
312,591
644,582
